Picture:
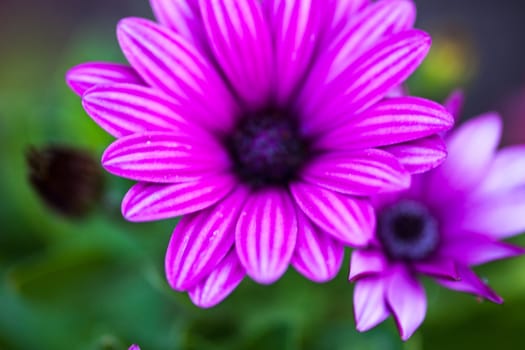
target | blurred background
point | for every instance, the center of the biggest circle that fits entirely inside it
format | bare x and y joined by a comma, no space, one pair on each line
86,279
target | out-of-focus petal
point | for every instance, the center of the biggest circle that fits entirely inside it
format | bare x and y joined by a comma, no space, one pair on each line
164,158
441,267
350,220
296,29
266,234
166,61
470,151
470,283
240,40
389,122
421,155
219,283
149,201
475,249
201,240
183,16
317,255
87,75
362,173
134,347
407,301
506,172
499,216
454,103
366,263
328,101
369,303
125,109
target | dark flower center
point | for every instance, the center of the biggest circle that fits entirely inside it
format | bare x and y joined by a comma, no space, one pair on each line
267,149
408,231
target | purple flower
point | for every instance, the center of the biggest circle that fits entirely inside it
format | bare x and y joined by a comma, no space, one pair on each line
449,220
134,347
264,123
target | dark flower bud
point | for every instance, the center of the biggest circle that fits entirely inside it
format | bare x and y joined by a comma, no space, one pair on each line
68,180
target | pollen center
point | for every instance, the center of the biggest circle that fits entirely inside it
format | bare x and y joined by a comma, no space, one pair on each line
267,149
408,231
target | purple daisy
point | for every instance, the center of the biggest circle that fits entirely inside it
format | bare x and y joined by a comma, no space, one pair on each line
264,124
449,220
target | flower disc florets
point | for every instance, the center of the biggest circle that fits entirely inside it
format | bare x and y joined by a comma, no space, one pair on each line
267,149
407,231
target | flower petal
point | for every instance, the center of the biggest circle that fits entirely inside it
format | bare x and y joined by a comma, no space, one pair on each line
183,16
421,155
366,263
150,202
317,255
470,283
506,172
454,103
201,240
441,267
220,282
407,301
296,26
329,100
86,75
241,42
499,216
362,173
166,61
351,221
475,249
344,11
125,109
389,122
367,28
369,303
470,151
164,157
266,234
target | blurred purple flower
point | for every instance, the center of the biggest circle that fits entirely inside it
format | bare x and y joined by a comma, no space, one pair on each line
264,124
134,347
450,219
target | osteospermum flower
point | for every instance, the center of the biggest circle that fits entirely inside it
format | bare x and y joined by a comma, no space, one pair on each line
449,220
264,123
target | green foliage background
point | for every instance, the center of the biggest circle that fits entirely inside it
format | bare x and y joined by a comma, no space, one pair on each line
98,283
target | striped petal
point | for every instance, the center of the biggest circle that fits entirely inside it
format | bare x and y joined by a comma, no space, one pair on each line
329,100
164,158
201,240
183,16
166,61
296,26
421,155
366,263
344,11
361,173
266,235
150,202
407,301
351,221
125,109
369,303
389,122
87,75
317,255
366,29
220,283
240,40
